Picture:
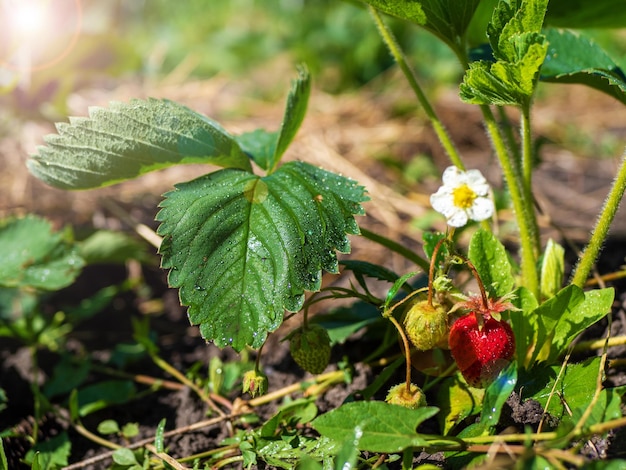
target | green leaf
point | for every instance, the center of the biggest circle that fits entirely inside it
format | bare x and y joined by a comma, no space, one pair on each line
344,321
348,454
383,427
505,83
34,256
552,269
107,246
129,139
561,318
492,263
295,110
513,24
447,19
158,436
395,288
585,14
496,396
105,393
67,375
523,323
4,464
267,148
573,58
259,145
301,411
574,391
124,457
365,268
457,401
243,248
53,453
519,49
108,426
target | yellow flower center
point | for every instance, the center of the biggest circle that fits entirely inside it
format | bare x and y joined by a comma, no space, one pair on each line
463,196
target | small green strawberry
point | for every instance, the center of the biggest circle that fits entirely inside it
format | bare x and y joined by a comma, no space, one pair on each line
310,348
255,383
412,398
426,325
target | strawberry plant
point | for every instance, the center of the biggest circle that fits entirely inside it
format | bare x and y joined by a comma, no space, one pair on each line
246,245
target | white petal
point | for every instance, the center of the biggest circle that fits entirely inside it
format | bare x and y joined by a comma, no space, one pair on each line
474,177
481,209
458,218
452,177
442,201
477,182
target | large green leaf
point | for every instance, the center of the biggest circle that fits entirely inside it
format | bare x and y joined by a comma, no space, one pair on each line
586,14
129,139
511,21
574,391
492,263
382,427
519,50
33,255
573,58
561,318
243,248
447,19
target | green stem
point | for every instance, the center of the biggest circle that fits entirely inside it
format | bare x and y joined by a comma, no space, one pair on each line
592,250
527,157
523,208
34,386
507,128
398,55
396,247
527,171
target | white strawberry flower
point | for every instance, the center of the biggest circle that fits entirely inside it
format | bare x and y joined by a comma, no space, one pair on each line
464,196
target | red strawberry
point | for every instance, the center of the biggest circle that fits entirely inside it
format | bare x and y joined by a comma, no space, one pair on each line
481,352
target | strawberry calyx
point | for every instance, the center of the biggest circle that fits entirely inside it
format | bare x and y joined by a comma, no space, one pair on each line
485,308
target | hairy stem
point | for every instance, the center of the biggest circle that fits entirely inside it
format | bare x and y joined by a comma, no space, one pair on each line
589,255
527,172
523,208
400,59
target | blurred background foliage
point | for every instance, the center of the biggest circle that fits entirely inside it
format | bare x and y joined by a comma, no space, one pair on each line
151,39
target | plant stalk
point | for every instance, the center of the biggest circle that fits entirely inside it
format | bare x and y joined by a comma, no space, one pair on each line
527,172
523,208
589,255
400,59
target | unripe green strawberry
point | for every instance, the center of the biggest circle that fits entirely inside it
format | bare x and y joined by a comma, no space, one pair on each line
255,383
413,398
310,348
481,352
426,325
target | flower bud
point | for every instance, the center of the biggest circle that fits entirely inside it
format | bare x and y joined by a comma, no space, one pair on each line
255,383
